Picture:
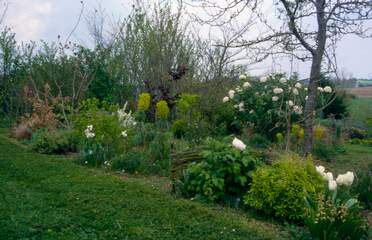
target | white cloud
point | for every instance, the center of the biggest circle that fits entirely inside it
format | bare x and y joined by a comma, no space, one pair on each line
28,18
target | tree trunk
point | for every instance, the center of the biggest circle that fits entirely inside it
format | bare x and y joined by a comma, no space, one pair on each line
311,104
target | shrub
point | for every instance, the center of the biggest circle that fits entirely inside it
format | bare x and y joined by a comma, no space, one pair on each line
324,151
179,128
158,153
131,162
144,100
280,189
223,175
54,142
162,109
363,187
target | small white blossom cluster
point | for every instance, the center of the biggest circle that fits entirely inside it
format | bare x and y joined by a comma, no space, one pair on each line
237,143
240,106
124,134
125,118
326,89
89,132
231,93
343,179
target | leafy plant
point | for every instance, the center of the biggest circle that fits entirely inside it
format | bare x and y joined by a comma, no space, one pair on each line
279,190
223,175
331,218
131,162
363,187
54,142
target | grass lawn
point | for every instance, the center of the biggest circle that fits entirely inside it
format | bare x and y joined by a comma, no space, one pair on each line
49,197
361,109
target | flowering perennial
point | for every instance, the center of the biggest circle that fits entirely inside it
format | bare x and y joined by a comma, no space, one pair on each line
89,132
342,179
237,143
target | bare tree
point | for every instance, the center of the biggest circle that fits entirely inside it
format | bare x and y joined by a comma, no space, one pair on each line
309,30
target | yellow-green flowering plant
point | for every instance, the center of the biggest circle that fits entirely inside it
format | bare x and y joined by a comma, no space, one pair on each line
144,100
162,110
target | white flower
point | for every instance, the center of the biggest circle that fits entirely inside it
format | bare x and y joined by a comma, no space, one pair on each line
332,185
263,79
125,118
124,134
225,99
329,176
90,152
307,97
295,91
275,98
238,144
297,109
327,89
306,88
238,89
290,103
86,162
242,77
241,107
231,94
320,169
236,106
320,89
345,179
246,85
278,90
88,132
283,80
252,111
298,85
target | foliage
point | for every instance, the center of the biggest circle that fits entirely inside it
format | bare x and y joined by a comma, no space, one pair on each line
223,175
357,133
268,105
338,103
42,115
144,100
54,142
179,128
102,116
363,187
324,151
131,162
162,109
279,190
158,153
330,217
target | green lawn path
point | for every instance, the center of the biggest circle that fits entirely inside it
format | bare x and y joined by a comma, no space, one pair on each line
49,197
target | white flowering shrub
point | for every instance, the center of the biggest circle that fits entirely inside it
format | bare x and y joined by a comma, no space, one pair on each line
266,104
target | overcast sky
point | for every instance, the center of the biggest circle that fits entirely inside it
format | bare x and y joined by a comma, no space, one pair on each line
46,19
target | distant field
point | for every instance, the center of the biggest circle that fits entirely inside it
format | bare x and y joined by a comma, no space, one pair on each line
365,92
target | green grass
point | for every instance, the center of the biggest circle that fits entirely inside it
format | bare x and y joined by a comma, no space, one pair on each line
49,197
355,158
361,109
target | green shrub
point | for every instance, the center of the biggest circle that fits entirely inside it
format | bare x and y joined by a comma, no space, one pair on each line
179,128
158,152
54,142
131,162
280,189
95,154
363,187
223,175
259,141
324,151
